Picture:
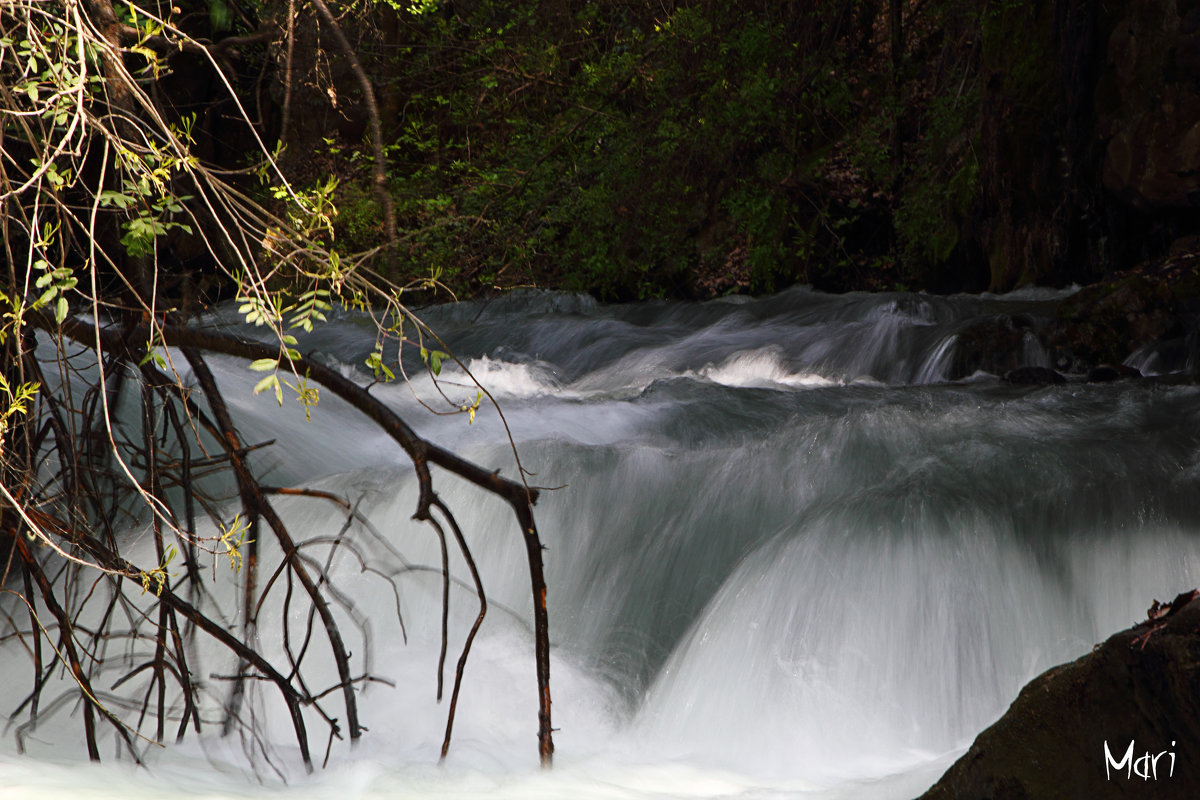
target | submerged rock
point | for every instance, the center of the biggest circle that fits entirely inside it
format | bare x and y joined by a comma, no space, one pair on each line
1122,721
1106,322
994,344
1033,376
1107,373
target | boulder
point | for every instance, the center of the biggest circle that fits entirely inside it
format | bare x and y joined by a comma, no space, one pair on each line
1033,376
1107,373
1104,323
1121,722
1150,106
994,344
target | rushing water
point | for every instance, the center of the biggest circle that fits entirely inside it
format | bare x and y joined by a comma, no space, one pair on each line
789,557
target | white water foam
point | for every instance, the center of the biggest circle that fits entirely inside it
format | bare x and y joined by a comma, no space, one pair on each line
880,571
763,367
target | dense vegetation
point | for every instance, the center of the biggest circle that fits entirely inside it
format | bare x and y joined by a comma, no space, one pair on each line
696,148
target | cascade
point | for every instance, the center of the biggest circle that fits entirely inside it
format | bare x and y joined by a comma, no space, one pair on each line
789,557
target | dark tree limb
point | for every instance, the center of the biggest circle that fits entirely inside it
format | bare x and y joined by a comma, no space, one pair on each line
421,452
66,628
253,499
462,659
379,170
119,567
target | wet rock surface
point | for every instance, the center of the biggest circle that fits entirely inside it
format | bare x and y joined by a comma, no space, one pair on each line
1106,322
1108,373
1033,376
1150,108
1141,686
994,344
1094,332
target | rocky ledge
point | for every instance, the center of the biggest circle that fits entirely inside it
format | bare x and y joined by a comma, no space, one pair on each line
1120,722
1156,303
1093,331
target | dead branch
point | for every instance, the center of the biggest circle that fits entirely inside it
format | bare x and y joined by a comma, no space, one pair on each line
421,452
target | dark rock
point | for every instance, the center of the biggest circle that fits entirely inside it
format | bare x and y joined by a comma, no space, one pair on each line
1033,376
1036,144
1142,685
1152,158
1107,321
1088,139
994,344
1107,373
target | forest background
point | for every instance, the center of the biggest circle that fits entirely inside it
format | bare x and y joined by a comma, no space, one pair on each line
691,149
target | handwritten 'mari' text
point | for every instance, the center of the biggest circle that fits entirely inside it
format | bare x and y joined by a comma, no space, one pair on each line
1144,766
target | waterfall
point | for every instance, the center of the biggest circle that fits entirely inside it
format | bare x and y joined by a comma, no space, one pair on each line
787,557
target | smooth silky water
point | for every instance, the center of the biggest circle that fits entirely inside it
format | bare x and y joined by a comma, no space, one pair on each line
789,557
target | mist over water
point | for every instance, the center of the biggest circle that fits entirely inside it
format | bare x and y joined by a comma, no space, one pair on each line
790,559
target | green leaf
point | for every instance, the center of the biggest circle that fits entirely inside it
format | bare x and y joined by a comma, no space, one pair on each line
112,198
435,361
262,365
267,383
375,362
60,313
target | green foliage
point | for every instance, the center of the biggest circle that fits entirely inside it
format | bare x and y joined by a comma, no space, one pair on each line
943,185
260,309
433,359
146,197
312,211
14,401
232,540
640,150
54,283
591,150
378,367
310,305
415,6
158,576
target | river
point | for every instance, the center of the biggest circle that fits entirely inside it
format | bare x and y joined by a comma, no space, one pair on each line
788,558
